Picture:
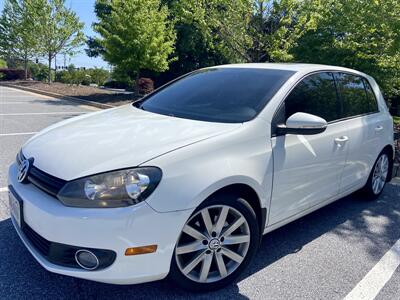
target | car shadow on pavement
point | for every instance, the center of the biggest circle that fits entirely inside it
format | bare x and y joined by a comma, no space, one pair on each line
22,277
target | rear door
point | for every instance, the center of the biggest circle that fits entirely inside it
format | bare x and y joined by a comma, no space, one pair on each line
365,128
308,168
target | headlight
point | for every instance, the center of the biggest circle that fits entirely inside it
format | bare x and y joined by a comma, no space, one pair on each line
113,189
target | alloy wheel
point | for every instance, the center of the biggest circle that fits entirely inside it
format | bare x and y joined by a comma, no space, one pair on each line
213,244
380,174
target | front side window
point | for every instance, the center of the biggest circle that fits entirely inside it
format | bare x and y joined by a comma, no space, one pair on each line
227,95
316,94
353,95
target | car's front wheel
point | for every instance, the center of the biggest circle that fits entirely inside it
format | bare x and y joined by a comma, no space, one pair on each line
216,244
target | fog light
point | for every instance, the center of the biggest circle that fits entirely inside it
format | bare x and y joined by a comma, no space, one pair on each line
86,259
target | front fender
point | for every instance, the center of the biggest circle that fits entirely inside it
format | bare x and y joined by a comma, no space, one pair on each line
193,173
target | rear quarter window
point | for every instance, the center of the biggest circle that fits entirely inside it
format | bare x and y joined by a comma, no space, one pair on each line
353,95
371,98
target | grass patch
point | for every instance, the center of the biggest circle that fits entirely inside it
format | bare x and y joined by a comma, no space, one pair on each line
396,120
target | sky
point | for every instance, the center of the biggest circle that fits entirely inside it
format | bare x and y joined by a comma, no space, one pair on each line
85,11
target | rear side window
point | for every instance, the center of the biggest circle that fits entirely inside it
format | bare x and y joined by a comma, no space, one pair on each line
316,94
353,95
371,98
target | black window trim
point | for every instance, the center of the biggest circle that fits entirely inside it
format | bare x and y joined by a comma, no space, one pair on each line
282,103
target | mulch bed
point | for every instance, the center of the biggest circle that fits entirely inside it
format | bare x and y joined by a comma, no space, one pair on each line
80,91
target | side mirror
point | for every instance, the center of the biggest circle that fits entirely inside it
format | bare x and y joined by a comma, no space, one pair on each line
302,123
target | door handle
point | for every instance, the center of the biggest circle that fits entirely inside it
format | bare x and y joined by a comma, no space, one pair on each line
378,128
341,140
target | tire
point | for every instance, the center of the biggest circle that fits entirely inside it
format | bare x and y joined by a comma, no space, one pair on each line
220,253
378,177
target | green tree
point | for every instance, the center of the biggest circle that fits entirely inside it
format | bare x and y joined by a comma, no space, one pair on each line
360,34
212,29
277,26
60,29
18,34
135,35
250,30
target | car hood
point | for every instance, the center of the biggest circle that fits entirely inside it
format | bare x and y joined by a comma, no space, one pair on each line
113,139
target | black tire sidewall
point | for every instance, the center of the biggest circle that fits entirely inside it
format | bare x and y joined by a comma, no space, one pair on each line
244,208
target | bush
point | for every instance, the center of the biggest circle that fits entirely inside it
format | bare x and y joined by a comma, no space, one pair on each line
63,76
12,74
98,76
145,86
86,79
40,72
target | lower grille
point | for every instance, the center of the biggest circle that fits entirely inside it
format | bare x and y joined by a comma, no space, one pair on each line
40,243
64,255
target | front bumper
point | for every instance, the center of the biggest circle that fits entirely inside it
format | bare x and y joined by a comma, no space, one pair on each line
115,229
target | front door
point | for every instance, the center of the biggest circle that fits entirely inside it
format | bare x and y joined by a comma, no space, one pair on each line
308,168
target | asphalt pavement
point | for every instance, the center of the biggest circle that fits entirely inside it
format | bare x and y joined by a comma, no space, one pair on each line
347,249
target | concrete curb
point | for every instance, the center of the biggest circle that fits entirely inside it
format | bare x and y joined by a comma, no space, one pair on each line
59,96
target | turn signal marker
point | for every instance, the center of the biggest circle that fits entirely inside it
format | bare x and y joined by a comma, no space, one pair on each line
141,250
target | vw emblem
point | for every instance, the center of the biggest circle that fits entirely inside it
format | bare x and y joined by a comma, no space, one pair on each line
23,170
214,244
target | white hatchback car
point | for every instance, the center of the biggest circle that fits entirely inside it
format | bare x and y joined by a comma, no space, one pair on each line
186,181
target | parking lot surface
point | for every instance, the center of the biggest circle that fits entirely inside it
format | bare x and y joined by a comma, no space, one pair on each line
347,249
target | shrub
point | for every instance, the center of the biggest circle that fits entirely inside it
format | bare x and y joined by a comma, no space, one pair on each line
40,72
145,86
12,74
63,76
86,79
98,76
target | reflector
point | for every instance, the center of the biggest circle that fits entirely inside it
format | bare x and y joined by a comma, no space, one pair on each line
141,250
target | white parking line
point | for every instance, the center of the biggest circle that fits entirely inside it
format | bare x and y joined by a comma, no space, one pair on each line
18,133
3,189
14,102
43,97
46,113
369,287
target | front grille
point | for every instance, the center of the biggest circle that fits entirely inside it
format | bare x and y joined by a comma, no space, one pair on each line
46,182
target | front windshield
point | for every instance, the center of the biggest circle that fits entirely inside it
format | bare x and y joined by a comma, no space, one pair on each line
227,95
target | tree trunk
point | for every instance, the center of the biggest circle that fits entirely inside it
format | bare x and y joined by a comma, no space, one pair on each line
49,68
26,67
137,91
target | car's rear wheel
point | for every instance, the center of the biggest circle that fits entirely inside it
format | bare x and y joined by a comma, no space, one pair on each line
216,244
378,177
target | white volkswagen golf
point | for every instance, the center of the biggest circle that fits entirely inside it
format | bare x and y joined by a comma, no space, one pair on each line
186,181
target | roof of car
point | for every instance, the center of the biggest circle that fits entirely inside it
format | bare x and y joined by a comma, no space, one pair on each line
296,67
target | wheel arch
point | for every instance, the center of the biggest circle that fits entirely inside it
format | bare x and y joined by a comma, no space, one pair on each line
250,196
389,149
